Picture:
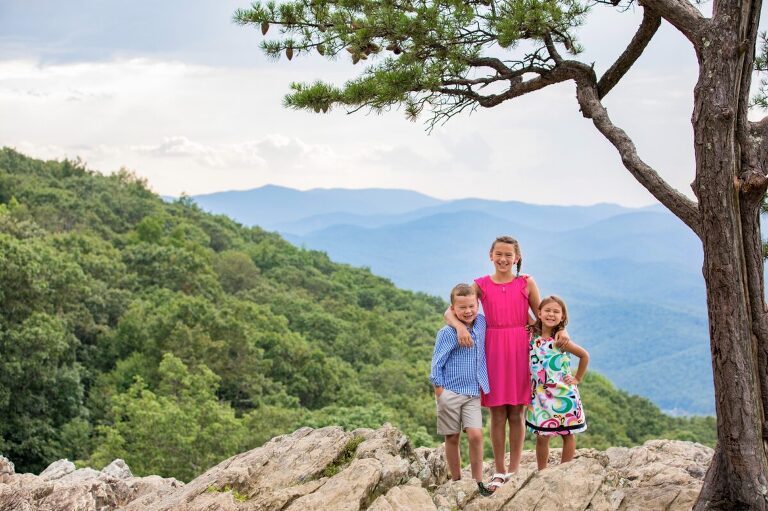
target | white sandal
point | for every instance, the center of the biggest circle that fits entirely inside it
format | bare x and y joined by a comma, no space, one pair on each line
494,485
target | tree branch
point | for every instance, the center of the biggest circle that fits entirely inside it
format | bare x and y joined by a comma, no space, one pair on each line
755,153
753,259
646,31
552,50
683,207
493,63
518,87
682,15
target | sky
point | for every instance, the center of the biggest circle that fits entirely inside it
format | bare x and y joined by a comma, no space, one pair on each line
177,93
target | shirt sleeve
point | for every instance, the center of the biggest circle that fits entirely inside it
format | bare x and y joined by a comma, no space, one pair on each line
443,347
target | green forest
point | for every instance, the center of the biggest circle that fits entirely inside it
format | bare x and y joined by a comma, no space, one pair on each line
151,331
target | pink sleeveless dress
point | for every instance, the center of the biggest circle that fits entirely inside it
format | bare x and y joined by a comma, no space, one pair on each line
506,341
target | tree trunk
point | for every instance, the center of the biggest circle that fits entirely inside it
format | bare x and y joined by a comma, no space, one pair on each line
738,475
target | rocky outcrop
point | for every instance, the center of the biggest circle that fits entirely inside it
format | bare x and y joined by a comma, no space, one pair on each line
378,470
62,487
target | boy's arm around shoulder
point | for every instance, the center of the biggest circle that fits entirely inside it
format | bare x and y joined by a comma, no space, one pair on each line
462,333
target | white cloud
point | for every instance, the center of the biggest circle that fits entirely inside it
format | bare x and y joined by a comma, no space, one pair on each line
272,150
201,128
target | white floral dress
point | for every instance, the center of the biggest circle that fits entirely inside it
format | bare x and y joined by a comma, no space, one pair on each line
555,407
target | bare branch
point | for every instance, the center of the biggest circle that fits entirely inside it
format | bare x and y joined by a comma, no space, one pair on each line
552,50
643,36
476,81
517,88
683,207
754,158
682,15
493,63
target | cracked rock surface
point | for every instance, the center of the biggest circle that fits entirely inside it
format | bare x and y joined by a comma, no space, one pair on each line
377,470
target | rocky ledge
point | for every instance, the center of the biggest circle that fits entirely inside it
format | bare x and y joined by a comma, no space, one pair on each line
378,470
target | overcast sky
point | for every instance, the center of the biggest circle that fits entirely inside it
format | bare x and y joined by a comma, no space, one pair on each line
176,92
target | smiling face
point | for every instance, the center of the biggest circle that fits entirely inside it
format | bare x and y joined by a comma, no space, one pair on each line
504,257
552,314
465,308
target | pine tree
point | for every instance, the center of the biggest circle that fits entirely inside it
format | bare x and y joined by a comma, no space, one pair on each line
438,57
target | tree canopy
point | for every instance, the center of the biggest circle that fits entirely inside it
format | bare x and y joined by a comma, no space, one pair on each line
172,338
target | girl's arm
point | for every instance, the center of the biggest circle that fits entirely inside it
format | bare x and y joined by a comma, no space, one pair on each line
534,299
465,339
572,347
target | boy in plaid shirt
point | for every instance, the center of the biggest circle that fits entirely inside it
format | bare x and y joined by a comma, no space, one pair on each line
459,374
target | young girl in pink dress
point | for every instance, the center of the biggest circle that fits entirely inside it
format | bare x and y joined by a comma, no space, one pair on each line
506,297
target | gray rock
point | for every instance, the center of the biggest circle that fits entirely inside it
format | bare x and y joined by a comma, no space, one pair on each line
57,470
117,469
429,466
349,490
79,490
385,440
455,494
404,498
319,469
283,469
81,475
569,486
7,469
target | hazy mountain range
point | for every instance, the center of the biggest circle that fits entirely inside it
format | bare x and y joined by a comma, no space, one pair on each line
631,277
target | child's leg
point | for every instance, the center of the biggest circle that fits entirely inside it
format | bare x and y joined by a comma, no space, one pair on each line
569,448
542,451
498,436
516,417
475,437
452,456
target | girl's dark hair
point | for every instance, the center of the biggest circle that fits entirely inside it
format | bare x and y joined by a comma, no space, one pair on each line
512,241
536,327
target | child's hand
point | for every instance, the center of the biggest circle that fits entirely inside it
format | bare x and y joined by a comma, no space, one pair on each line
465,339
438,392
562,338
571,380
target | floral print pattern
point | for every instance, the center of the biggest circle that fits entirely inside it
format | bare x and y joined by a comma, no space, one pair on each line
555,407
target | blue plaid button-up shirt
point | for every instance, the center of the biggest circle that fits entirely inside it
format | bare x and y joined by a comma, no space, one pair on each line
459,369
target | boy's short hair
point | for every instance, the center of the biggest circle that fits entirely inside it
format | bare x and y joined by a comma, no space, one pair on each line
462,290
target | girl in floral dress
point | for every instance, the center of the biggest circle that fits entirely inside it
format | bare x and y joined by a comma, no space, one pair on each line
555,408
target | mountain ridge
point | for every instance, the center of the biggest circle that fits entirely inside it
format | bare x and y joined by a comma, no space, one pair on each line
602,259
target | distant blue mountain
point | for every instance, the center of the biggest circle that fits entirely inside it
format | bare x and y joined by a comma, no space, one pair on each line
271,205
550,218
631,277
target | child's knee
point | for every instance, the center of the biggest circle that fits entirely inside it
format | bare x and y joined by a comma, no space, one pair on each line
474,435
452,439
498,413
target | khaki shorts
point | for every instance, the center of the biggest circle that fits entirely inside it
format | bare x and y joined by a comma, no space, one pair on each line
457,412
